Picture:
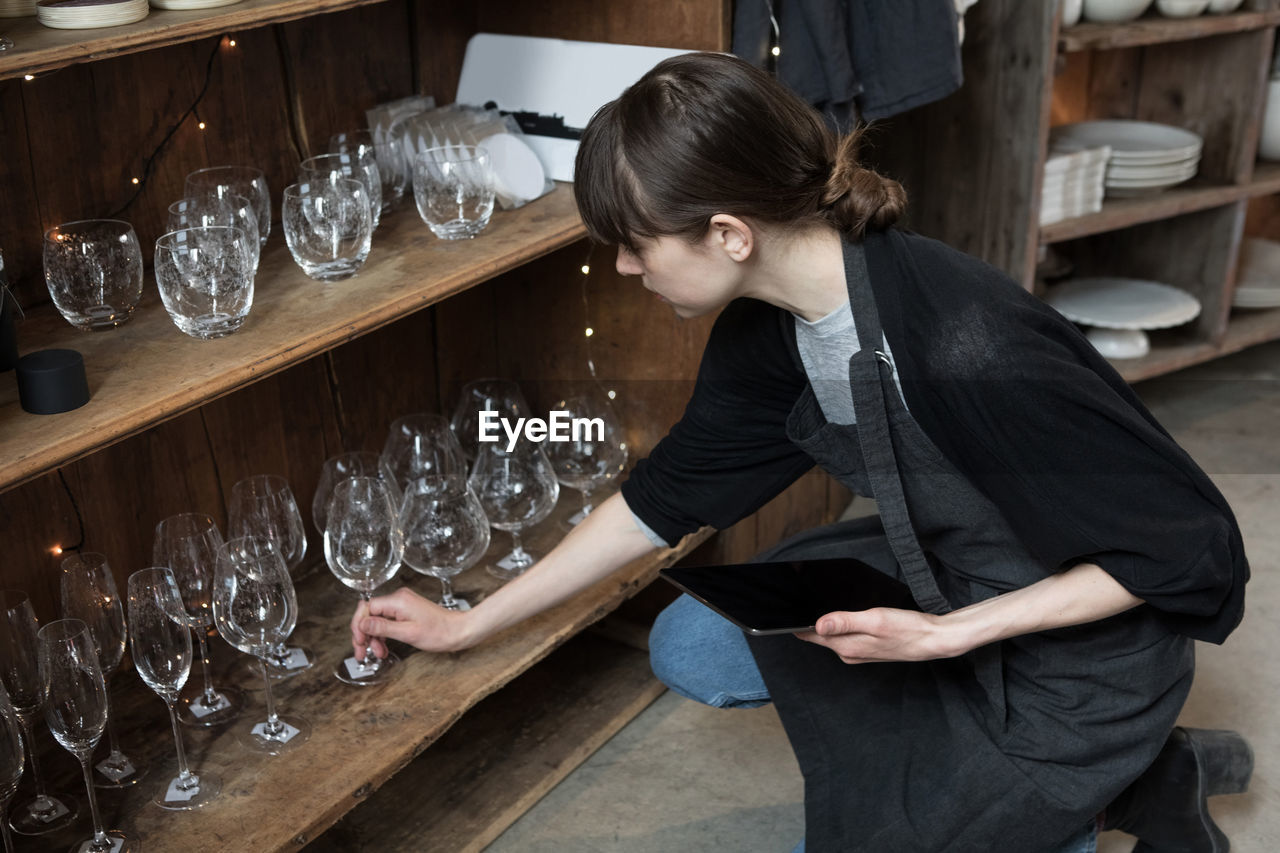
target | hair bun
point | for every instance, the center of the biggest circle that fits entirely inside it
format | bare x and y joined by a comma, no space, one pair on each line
857,198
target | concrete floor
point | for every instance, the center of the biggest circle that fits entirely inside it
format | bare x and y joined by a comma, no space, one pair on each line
683,776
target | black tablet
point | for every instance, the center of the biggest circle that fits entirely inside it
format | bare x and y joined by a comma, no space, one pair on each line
790,596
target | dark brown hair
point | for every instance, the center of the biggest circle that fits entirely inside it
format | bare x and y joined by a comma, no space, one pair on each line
707,133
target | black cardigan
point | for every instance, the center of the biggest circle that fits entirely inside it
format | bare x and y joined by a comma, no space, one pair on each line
1010,392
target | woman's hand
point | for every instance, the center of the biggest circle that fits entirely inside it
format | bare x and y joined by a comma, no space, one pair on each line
884,634
408,617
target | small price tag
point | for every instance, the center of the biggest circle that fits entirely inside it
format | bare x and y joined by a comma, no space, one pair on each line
507,564
297,658
87,846
115,772
56,810
200,710
358,670
177,794
463,605
576,518
286,733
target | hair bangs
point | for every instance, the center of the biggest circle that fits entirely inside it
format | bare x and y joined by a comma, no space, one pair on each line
605,187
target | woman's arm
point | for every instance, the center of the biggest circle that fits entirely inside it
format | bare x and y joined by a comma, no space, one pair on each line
606,540
1083,593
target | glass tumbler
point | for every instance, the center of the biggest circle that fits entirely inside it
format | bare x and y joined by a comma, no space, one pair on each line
205,277
453,187
232,210
389,156
94,271
328,226
356,163
246,181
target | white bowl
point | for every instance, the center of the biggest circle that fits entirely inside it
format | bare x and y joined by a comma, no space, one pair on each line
1119,343
1221,7
1071,10
1182,8
1269,142
1114,11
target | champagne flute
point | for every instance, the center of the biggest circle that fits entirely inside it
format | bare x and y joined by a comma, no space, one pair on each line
517,488
264,506
19,669
77,712
188,544
596,451
363,547
445,531
89,594
255,607
10,763
160,637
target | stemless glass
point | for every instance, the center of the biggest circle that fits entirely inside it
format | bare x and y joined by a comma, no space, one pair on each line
188,544
77,712
445,531
232,210
328,225
89,594
501,396
595,452
357,163
453,187
363,547
517,488
256,609
160,637
10,763
420,445
205,277
388,156
263,505
226,181
94,272
19,669
357,463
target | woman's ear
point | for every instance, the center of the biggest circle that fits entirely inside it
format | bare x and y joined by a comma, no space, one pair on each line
733,236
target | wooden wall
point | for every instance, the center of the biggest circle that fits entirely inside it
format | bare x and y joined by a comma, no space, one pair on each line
74,138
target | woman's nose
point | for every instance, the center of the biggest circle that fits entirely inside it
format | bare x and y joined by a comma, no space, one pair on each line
628,263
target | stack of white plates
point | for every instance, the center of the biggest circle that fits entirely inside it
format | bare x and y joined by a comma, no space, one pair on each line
1072,183
17,8
1258,283
1145,157
90,14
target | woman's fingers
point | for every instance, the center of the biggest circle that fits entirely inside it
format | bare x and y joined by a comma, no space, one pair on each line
879,634
404,616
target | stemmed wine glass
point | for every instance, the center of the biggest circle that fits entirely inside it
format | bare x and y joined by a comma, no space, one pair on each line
160,636
420,445
188,544
264,506
10,763
255,608
501,396
596,451
363,547
356,463
445,531
89,594
77,712
19,669
517,488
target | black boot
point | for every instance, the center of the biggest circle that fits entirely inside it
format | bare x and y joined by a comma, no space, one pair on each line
1166,806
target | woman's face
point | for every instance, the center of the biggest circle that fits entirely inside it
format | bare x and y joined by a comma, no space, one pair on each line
694,279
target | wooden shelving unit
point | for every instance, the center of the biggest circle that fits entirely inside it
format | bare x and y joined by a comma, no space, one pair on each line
1154,28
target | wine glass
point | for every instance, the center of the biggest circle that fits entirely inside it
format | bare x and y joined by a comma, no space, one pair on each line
188,544
363,547
420,445
77,712
10,763
89,594
501,396
160,637
263,505
255,608
357,463
596,451
517,488
19,669
445,531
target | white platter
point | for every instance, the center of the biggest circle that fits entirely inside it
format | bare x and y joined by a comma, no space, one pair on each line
1123,303
1131,142
1168,170
184,5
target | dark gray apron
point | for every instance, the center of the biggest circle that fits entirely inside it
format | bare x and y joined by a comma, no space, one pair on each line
1012,747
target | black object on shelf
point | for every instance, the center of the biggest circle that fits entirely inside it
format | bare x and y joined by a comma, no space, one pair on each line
8,331
52,381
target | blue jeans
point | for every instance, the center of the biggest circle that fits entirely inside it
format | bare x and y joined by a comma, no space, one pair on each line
704,657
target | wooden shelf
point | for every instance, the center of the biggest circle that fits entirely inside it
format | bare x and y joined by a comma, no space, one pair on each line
146,371
1245,329
360,737
39,49
1123,212
1157,29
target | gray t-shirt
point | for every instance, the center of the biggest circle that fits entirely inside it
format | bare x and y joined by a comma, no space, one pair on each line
826,345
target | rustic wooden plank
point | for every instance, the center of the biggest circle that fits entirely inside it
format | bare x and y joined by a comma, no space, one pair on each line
1120,213
503,755
20,218
1246,329
39,49
661,23
440,30
146,371
1154,28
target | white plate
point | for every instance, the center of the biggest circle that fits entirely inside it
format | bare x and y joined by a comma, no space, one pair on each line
1123,303
1131,140
517,170
182,5
1168,170
89,14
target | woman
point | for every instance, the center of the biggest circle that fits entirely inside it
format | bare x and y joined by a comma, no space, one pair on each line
1063,549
